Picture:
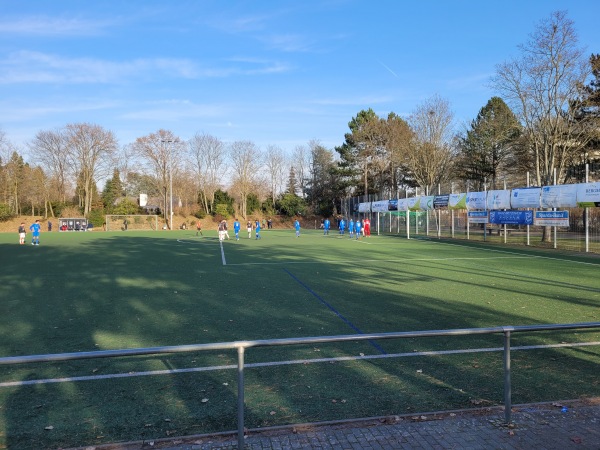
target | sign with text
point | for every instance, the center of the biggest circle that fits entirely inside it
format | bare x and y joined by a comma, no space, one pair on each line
498,199
478,217
525,197
364,207
380,206
511,217
588,194
559,196
440,201
476,200
552,218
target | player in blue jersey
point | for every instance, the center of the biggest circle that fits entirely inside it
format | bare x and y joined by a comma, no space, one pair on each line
35,229
342,226
351,228
257,229
358,227
326,226
236,229
297,227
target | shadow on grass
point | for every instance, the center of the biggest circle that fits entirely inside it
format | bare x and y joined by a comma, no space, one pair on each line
132,290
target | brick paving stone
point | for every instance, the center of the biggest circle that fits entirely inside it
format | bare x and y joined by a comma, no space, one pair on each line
534,426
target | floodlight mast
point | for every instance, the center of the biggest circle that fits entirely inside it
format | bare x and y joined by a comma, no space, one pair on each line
169,142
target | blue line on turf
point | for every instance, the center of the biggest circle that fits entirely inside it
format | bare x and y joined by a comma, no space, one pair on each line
318,297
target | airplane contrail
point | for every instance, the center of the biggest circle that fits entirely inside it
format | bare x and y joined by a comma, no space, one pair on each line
388,69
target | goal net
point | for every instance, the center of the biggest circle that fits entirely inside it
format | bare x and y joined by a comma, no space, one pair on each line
131,222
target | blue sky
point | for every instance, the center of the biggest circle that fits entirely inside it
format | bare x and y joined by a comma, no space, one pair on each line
272,72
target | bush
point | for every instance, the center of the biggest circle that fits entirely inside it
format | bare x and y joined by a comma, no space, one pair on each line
96,217
5,213
291,205
222,210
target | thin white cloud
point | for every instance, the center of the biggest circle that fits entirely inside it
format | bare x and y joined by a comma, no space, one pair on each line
50,26
289,43
175,110
35,67
18,113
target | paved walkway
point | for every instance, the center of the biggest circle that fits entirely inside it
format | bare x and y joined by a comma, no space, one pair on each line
571,425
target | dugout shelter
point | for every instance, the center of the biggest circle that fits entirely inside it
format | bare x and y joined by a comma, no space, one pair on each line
73,224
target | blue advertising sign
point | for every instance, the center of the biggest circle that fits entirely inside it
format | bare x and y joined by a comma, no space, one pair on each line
393,205
511,217
552,218
441,201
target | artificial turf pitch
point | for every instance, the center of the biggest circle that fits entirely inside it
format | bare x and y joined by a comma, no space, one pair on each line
114,290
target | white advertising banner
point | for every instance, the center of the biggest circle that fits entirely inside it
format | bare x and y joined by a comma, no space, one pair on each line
380,206
402,204
476,200
498,199
559,196
457,201
426,203
588,195
525,197
413,203
364,207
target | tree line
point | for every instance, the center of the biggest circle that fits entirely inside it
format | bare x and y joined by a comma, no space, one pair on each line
544,121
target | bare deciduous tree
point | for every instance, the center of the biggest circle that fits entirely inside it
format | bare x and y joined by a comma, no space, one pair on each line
541,86
430,154
160,152
301,164
275,163
91,149
246,162
208,156
50,150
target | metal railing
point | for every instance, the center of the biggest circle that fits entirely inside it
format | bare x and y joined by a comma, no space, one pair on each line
241,347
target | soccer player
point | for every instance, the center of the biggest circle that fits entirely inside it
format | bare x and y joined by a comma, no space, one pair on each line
342,226
257,229
236,229
297,227
35,236
221,229
351,228
367,225
199,228
326,226
22,233
358,227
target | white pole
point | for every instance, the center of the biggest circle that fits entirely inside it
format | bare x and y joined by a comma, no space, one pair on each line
527,224
505,233
554,209
587,213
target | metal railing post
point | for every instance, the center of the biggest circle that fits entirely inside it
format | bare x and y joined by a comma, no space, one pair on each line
507,383
240,397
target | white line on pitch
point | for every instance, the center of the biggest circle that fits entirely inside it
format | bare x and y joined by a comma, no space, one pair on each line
222,253
287,363
405,260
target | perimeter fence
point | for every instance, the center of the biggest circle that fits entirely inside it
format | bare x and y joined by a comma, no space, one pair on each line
581,235
242,347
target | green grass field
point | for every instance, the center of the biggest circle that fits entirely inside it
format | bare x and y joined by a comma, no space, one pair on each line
103,290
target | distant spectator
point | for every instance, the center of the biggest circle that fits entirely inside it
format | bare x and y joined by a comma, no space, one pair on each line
49,226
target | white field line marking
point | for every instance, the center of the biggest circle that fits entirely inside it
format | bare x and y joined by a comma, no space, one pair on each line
405,260
287,363
222,253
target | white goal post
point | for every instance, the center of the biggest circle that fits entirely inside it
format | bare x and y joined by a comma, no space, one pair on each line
116,222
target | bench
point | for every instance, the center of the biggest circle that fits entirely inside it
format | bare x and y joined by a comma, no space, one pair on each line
500,230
